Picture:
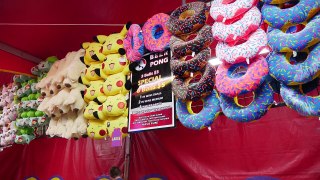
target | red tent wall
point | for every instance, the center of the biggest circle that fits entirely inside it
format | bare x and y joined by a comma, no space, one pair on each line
46,157
282,144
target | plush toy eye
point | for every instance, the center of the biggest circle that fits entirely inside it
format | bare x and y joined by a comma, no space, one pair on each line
108,124
119,41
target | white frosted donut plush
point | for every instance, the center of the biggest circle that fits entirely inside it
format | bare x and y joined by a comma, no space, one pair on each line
245,51
235,31
221,12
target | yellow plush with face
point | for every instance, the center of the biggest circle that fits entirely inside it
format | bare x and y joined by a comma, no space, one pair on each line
113,64
112,43
90,49
116,84
92,108
117,122
115,105
97,129
93,91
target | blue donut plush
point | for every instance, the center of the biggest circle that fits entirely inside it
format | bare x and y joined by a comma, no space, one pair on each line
275,1
204,118
283,18
285,42
300,73
303,104
263,99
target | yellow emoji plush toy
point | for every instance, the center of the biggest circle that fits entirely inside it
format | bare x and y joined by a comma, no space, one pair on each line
97,129
120,122
116,84
90,75
90,49
94,90
113,106
112,43
113,64
92,108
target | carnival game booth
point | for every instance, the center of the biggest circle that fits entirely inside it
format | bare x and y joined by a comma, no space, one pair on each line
164,90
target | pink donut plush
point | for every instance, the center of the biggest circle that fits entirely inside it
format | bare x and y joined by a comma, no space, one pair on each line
231,80
156,34
242,28
245,51
133,43
222,12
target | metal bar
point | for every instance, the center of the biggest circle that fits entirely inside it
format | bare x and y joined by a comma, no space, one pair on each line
19,53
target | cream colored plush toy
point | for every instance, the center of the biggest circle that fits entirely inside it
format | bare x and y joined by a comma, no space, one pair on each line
74,99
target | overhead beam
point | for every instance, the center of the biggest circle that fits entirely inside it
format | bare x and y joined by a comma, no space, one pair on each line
19,53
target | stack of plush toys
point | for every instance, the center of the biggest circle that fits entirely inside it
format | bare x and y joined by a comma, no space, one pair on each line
62,100
237,28
191,52
8,115
108,84
31,122
294,35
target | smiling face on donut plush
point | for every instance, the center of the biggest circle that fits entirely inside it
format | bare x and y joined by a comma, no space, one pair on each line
90,49
97,129
115,105
113,42
115,84
94,90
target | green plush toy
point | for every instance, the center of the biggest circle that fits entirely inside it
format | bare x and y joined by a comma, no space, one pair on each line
24,99
31,113
39,114
24,114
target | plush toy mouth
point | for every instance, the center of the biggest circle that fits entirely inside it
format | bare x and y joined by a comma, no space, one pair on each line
109,87
92,73
91,53
34,121
111,65
92,92
109,46
92,134
109,108
20,139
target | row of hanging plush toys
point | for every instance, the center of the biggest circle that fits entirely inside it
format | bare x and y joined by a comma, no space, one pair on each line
290,43
108,85
8,115
237,28
31,122
190,46
61,97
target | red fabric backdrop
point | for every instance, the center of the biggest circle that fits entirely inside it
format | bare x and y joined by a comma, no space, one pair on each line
46,157
282,145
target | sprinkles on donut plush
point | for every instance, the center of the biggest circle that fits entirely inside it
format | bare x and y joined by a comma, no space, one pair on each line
230,83
303,104
133,43
155,33
188,18
184,67
284,42
183,90
282,18
222,12
242,52
238,30
283,71
263,99
202,40
204,118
